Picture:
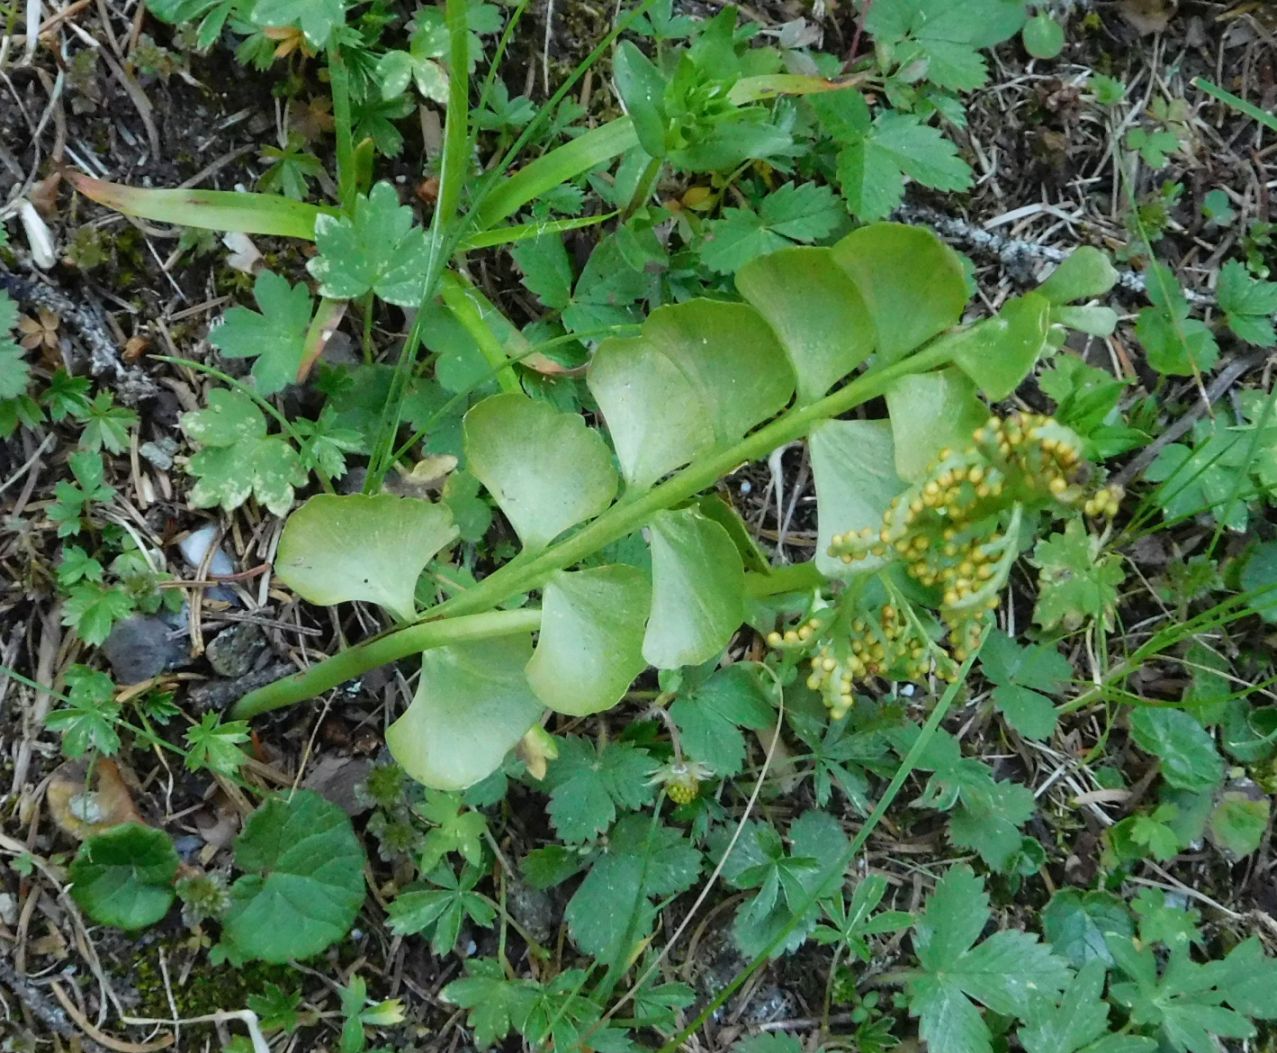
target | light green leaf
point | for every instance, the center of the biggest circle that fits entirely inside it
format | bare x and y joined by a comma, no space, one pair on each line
1020,675
642,88
1006,973
124,877
546,469
999,352
1077,580
338,548
1238,821
239,459
1259,576
590,783
853,462
1084,275
1080,1021
1093,321
316,18
910,280
275,337
304,882
590,647
546,269
872,169
699,376
697,590
379,248
815,310
1177,345
1187,753
929,411
1248,304
471,708
1043,36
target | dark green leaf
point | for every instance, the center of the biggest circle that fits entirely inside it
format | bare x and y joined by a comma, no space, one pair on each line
124,877
304,882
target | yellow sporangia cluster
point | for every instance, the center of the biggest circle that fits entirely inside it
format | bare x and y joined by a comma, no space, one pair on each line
957,530
879,642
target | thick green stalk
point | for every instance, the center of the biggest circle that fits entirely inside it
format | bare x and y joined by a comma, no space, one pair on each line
793,577
420,637
523,574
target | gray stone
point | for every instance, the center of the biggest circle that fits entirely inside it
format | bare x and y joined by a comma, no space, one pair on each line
141,647
234,651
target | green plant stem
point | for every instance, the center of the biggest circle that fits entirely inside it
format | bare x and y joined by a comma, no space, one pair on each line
347,177
456,292
644,189
793,577
456,132
369,350
444,233
350,663
525,573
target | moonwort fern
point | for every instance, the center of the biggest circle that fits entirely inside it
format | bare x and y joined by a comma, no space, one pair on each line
704,387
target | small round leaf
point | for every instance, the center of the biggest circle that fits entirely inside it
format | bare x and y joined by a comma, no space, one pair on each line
124,877
546,468
472,706
341,547
698,590
1043,36
590,647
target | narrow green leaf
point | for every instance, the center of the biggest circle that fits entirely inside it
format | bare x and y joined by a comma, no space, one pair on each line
698,587
910,280
546,469
699,376
815,310
591,644
226,210
472,706
338,548
552,169
642,89
853,462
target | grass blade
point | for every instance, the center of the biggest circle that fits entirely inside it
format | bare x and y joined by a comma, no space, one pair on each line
225,210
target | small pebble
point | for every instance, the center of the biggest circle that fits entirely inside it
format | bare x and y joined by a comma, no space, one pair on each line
195,546
141,647
159,453
234,651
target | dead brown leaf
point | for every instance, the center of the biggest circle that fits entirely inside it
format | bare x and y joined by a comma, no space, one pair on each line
1148,16
81,809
